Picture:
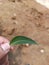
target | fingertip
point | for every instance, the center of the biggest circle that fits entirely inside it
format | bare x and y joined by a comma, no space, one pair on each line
11,48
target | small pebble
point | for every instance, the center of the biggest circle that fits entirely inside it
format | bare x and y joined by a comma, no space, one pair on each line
27,45
42,51
16,22
14,16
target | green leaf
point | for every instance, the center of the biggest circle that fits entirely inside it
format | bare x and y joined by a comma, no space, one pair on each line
22,40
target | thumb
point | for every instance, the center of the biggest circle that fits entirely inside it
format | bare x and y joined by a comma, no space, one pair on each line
5,47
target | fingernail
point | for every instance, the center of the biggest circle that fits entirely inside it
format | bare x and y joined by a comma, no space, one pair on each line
5,47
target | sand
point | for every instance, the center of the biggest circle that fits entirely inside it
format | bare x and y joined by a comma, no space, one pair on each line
27,18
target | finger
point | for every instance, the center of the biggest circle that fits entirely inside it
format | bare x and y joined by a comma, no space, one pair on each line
5,47
11,48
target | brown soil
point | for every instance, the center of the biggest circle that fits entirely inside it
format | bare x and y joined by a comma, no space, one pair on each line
28,18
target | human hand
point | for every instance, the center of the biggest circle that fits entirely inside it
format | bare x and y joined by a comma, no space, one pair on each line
4,49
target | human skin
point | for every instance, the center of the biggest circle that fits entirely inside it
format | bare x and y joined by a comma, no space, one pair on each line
4,52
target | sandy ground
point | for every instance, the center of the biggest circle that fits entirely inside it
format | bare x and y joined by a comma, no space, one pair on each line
28,18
